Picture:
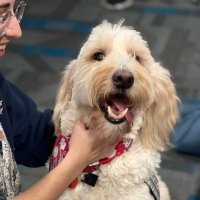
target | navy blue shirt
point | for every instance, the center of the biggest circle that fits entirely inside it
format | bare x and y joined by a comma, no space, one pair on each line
27,131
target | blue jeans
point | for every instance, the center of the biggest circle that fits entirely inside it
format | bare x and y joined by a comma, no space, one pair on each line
186,134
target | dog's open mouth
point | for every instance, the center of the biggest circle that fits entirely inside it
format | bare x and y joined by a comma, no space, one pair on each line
117,109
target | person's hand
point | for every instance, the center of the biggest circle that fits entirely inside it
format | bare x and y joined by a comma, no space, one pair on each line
89,146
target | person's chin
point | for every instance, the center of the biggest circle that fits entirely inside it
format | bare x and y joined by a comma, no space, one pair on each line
2,52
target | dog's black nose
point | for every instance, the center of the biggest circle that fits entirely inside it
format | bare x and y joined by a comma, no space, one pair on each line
123,79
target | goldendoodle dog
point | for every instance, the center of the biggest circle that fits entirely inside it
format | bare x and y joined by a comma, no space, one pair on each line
116,86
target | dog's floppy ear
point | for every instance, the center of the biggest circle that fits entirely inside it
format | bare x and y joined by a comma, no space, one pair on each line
64,95
161,116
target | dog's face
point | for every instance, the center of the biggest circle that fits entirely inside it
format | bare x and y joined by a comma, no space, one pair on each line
116,75
112,73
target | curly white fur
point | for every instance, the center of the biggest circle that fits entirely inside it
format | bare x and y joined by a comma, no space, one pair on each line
87,83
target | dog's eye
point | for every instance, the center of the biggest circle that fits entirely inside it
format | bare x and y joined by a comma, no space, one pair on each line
98,56
137,58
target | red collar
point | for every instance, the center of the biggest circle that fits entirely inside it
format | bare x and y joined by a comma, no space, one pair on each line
61,148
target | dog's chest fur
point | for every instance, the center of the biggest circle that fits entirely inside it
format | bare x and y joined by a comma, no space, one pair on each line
122,178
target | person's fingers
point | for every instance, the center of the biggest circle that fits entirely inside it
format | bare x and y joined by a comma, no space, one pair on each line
80,124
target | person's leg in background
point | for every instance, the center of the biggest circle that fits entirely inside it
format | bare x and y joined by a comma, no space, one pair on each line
186,134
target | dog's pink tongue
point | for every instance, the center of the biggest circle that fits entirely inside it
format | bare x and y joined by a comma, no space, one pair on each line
121,104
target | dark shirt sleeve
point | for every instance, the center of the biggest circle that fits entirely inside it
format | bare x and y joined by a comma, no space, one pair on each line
32,131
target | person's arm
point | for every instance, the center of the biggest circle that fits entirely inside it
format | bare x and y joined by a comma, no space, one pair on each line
55,182
29,131
86,146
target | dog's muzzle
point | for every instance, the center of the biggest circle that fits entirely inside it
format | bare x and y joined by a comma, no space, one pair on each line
117,109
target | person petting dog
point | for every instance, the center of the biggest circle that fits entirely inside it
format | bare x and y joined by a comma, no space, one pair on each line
26,135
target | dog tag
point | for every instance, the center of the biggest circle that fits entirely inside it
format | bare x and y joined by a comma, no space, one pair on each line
90,179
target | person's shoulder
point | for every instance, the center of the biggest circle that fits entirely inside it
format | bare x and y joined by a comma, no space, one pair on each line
2,84
2,81
1,78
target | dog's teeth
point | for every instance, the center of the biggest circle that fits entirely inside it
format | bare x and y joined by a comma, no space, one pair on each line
124,112
113,115
110,113
109,110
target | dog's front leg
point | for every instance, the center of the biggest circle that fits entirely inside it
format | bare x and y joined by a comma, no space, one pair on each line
69,118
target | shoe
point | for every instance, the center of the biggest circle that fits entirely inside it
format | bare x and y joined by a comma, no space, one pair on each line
117,4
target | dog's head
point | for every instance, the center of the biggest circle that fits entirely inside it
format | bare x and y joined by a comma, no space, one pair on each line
116,75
